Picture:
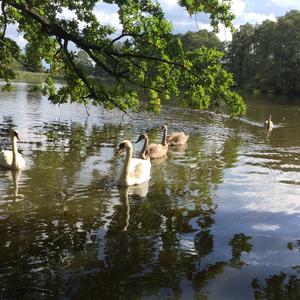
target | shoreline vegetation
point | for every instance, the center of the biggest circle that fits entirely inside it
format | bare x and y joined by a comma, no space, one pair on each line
31,77
37,78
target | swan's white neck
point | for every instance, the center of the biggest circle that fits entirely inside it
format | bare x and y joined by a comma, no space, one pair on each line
14,151
269,123
16,175
126,166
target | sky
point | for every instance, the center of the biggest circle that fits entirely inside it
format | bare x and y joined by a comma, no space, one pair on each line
251,11
245,11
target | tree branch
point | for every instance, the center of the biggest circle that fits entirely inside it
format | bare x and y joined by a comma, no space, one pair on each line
123,35
80,74
15,57
5,19
56,30
142,56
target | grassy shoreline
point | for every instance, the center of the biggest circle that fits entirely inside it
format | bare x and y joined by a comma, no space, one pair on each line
32,77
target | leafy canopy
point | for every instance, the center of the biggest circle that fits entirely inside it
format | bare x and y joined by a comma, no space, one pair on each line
265,57
144,57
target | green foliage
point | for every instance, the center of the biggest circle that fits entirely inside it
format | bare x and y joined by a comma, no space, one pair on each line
219,10
33,57
145,57
8,50
202,38
212,87
32,77
266,57
8,87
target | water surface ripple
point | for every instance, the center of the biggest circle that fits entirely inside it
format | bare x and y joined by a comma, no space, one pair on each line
219,218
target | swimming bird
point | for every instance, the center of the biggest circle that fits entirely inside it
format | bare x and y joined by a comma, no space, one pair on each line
177,138
12,159
135,170
269,124
144,152
153,150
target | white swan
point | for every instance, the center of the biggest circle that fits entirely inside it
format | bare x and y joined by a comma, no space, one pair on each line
135,170
12,159
269,123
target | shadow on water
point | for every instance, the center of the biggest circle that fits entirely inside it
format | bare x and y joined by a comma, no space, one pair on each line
202,227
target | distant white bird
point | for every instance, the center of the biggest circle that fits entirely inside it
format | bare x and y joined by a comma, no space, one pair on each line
135,170
269,124
12,159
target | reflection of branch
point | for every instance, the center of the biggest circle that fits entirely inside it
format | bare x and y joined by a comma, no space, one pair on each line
86,109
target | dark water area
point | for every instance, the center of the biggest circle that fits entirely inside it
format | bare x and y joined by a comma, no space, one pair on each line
219,218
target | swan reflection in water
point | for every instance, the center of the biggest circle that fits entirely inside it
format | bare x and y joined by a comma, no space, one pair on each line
158,161
140,190
180,149
15,177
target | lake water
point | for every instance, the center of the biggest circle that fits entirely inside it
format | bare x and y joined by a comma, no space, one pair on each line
219,219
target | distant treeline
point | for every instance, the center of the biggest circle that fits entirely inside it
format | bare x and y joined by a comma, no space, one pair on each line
264,58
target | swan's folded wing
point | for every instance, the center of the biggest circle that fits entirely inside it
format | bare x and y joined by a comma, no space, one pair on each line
157,150
176,138
6,158
140,169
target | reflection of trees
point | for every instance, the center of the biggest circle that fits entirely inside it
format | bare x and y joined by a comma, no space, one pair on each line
229,151
204,245
84,245
54,224
239,243
294,245
15,174
279,286
5,141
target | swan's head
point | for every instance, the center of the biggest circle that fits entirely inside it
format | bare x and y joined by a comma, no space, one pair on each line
163,128
270,117
14,133
123,146
143,136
